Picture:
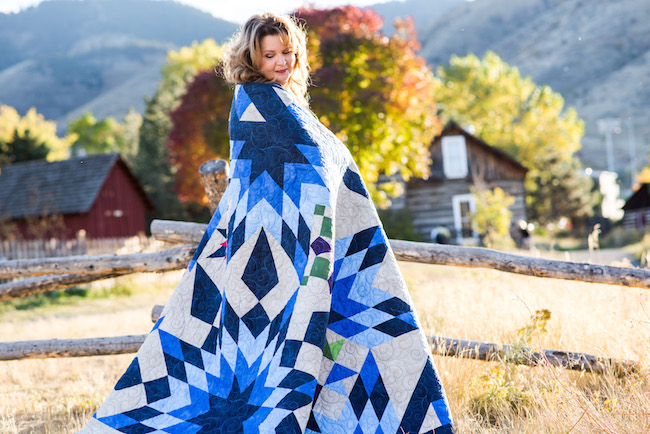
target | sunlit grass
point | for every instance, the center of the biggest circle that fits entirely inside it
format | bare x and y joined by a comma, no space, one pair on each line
59,395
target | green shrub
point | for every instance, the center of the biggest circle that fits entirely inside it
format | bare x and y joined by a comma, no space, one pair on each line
398,224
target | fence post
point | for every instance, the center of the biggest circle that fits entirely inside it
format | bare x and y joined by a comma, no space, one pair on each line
214,176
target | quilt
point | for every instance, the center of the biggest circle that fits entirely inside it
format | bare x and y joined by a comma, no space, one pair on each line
292,316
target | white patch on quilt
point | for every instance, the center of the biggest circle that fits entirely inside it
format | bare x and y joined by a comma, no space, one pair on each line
286,98
352,355
330,404
252,114
354,213
401,370
162,421
150,357
389,279
123,400
431,421
313,297
309,359
95,426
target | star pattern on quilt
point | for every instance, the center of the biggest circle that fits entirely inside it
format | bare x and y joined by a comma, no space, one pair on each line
278,325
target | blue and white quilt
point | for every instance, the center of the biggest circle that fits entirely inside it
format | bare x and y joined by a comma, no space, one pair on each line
293,316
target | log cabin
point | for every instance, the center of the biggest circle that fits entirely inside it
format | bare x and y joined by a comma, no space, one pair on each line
444,202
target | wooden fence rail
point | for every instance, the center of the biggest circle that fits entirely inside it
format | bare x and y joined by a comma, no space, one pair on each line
57,273
442,254
54,348
174,258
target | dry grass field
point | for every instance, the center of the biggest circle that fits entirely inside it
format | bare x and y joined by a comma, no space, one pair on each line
59,395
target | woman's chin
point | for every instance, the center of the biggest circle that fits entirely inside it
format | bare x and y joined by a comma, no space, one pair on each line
282,79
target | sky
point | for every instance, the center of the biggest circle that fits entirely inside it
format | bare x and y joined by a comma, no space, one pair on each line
236,11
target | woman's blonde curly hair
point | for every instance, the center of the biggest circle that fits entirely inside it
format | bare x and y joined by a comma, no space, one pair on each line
243,57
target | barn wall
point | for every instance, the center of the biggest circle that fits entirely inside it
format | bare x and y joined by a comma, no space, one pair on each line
117,195
102,221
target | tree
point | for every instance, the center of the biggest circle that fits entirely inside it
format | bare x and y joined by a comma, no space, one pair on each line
151,163
493,218
528,121
22,147
375,92
106,135
29,137
199,133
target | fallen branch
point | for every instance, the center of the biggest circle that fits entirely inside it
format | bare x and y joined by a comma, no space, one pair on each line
476,257
164,260
488,351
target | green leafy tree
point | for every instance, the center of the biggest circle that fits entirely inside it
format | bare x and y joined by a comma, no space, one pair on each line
493,217
106,135
528,121
29,137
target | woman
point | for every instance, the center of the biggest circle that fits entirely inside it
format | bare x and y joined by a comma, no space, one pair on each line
292,316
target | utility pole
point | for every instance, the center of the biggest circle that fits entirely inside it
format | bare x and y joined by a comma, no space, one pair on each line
609,126
631,141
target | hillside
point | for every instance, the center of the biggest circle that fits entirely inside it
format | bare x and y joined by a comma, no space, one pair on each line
65,56
596,53
68,56
423,12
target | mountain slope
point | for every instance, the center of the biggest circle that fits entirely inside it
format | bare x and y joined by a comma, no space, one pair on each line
65,56
596,53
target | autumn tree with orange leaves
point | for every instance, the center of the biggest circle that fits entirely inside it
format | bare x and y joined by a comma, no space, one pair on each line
373,91
199,133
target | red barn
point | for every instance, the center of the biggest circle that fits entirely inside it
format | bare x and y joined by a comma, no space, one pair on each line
96,193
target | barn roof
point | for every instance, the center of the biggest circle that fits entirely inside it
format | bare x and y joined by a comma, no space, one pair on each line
37,188
453,127
639,200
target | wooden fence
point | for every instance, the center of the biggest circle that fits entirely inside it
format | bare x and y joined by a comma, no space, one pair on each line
53,247
42,275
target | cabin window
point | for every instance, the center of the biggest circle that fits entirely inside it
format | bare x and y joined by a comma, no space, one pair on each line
464,207
454,157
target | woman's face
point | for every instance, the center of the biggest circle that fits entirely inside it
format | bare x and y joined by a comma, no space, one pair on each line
278,60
